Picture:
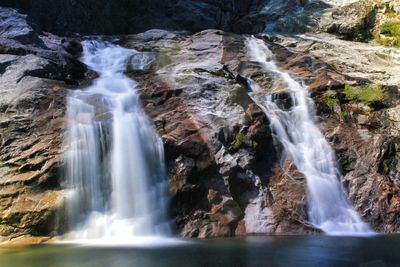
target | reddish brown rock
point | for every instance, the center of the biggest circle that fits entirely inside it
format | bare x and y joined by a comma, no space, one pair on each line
222,163
33,84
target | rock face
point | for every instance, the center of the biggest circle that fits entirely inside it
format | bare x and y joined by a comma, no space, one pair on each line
126,16
226,175
364,135
34,72
351,19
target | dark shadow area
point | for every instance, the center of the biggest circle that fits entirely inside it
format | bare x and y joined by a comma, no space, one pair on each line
106,17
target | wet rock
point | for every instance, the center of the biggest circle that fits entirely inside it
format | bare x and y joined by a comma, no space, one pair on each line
370,166
226,175
33,86
365,139
222,162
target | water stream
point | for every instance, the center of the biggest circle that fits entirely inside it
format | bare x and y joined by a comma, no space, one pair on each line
295,129
114,160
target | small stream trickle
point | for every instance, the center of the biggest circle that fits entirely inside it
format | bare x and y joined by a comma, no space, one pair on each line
115,159
303,142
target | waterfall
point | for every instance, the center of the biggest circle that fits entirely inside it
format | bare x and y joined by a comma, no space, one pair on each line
114,159
303,142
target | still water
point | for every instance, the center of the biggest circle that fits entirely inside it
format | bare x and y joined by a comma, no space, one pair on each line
296,251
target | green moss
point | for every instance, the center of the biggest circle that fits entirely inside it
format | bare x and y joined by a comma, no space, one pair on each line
330,99
369,95
350,92
238,141
386,167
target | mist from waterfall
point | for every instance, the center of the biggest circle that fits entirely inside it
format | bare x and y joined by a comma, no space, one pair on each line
114,159
295,129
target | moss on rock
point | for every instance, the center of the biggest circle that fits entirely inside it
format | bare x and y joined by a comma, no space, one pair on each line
370,95
330,99
238,141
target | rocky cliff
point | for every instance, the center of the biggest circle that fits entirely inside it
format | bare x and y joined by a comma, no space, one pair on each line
126,16
226,175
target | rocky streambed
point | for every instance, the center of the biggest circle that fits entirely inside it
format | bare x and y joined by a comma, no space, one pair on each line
226,174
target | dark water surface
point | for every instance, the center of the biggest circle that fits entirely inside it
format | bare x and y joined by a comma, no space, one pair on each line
321,251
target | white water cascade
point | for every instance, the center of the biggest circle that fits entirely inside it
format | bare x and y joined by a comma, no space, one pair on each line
303,142
114,160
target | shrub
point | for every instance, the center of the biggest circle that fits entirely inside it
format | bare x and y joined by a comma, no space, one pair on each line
369,95
389,33
387,41
390,28
391,13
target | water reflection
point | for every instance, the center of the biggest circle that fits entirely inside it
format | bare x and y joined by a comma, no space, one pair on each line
251,252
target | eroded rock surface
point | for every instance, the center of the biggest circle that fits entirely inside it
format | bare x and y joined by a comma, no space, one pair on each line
34,72
226,174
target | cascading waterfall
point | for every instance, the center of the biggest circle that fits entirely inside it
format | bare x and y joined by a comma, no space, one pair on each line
301,139
114,160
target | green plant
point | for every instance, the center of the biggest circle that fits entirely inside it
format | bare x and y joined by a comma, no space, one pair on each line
389,33
342,115
238,140
391,13
386,167
350,92
369,95
387,41
390,28
330,99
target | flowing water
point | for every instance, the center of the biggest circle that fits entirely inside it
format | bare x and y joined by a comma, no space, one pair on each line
114,160
303,142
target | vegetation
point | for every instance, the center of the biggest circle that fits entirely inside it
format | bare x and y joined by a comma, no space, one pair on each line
330,99
237,142
342,115
389,33
390,13
391,28
369,95
386,167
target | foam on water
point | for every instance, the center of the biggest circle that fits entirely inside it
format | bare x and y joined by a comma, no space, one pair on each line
114,160
295,129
